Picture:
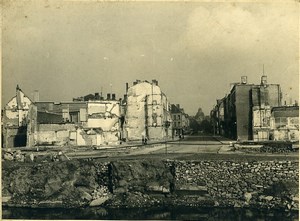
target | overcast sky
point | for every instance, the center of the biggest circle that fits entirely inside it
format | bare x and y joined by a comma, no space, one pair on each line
194,49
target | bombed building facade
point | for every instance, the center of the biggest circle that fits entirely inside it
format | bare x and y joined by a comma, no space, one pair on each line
147,112
244,114
74,123
89,120
14,120
284,123
78,123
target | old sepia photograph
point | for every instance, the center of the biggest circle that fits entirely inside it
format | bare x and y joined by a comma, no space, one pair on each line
150,110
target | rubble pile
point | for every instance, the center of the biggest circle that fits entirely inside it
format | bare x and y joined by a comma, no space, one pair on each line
135,182
152,182
30,156
241,184
13,155
73,183
277,149
267,147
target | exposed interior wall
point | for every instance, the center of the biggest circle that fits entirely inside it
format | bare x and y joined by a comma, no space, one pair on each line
261,123
285,128
15,120
96,124
53,134
146,113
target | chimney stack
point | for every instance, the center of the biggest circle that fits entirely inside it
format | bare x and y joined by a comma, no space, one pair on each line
113,96
108,96
127,87
155,82
178,105
244,79
97,96
264,80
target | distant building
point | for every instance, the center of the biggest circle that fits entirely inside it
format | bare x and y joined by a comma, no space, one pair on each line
95,97
244,114
217,118
285,123
14,120
147,112
180,120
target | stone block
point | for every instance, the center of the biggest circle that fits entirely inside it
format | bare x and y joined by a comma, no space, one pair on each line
99,201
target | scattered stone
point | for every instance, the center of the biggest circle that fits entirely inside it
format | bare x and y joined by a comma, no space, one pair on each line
99,201
268,198
247,196
8,156
31,156
6,199
120,190
87,196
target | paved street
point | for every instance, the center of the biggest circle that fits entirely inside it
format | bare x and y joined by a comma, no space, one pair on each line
195,144
191,147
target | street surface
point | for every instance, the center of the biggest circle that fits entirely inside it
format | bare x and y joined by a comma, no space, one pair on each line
194,147
191,147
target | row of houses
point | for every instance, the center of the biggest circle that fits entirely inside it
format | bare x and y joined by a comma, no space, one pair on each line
180,120
145,111
255,112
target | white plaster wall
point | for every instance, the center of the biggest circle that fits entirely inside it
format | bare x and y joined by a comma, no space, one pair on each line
56,127
101,107
105,124
80,140
136,118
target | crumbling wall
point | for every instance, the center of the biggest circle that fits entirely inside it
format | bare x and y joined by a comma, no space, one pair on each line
146,112
261,123
135,116
17,108
103,118
53,134
15,120
15,137
285,128
156,133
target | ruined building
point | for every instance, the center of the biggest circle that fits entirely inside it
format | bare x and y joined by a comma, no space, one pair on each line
147,112
88,120
14,120
284,123
244,114
79,123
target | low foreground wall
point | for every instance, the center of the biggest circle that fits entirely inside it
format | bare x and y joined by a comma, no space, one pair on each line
145,183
